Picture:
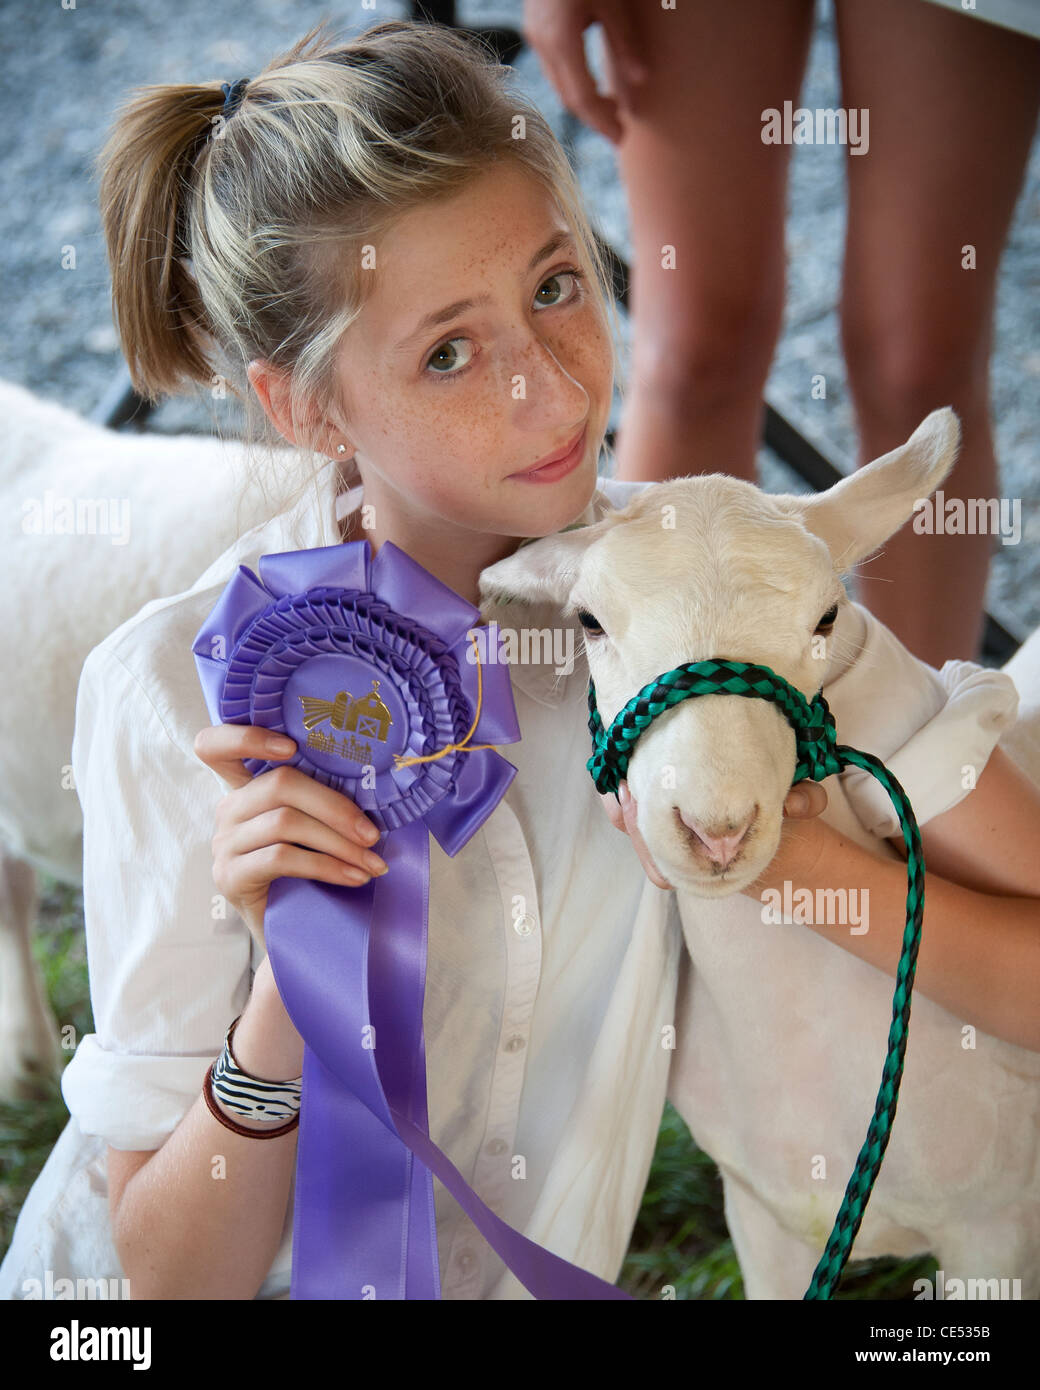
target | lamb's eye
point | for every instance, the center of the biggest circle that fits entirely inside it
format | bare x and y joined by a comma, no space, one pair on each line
828,619
589,623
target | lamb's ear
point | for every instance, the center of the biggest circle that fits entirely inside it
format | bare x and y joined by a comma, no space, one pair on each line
543,569
858,515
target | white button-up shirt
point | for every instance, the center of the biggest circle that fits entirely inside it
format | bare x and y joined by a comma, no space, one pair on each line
552,959
552,964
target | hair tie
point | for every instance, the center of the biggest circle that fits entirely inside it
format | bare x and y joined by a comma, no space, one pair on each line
233,94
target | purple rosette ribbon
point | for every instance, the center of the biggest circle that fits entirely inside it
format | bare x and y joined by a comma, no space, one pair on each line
374,669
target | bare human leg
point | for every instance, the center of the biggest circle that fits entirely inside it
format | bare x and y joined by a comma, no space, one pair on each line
700,180
952,105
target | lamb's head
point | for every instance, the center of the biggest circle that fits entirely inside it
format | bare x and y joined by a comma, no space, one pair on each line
711,566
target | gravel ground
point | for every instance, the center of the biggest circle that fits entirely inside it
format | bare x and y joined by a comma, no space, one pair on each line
74,64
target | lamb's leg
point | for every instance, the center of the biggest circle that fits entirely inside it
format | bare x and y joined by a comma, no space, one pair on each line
29,1050
774,1263
1002,1246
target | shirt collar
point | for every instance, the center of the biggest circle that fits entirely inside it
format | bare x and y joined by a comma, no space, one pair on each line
541,680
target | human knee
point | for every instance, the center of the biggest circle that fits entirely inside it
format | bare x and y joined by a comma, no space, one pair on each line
901,374
721,350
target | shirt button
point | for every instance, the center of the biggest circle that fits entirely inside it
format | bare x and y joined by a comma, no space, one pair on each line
515,1043
464,1259
524,926
496,1146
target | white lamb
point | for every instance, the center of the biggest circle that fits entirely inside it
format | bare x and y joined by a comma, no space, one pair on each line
98,524
781,1034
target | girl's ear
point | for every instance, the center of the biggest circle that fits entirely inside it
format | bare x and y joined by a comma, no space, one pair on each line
542,570
272,387
858,514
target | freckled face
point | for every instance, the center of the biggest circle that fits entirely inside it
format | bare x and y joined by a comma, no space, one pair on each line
444,413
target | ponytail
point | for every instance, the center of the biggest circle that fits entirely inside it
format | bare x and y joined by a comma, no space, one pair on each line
146,172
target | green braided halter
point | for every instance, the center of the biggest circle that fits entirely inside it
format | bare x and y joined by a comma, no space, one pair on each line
818,756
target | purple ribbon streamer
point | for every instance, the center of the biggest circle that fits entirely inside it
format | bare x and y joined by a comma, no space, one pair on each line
350,962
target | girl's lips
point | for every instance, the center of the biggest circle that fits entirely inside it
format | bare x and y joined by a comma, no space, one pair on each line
551,471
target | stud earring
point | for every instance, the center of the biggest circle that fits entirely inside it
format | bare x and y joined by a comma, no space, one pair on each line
341,448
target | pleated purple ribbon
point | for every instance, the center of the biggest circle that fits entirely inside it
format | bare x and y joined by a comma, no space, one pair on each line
369,665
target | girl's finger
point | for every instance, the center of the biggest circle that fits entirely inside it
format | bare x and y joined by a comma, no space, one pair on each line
288,825
254,871
613,810
282,787
630,808
805,800
223,747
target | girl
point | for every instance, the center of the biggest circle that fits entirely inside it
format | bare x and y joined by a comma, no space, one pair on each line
391,248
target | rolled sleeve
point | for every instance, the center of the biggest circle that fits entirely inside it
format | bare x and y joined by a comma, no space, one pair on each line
933,730
943,761
169,961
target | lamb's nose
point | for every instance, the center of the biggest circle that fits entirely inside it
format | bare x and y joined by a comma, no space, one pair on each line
722,841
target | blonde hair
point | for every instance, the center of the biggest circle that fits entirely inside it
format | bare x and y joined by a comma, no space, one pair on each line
230,241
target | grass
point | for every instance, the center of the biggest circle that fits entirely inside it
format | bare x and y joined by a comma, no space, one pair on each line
680,1236
29,1129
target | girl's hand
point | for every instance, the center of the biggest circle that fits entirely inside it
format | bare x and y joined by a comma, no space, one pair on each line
799,847
280,824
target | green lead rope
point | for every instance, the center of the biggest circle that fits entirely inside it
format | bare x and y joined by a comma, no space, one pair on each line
818,755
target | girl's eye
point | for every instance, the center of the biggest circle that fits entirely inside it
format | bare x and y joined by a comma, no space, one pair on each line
443,350
454,370
576,275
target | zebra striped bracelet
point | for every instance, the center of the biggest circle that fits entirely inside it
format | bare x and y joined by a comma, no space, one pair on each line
251,1096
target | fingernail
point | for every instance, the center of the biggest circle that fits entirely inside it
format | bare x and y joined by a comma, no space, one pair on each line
797,801
374,864
280,745
367,832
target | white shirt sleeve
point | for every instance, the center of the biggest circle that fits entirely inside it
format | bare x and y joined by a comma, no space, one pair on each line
933,730
169,960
